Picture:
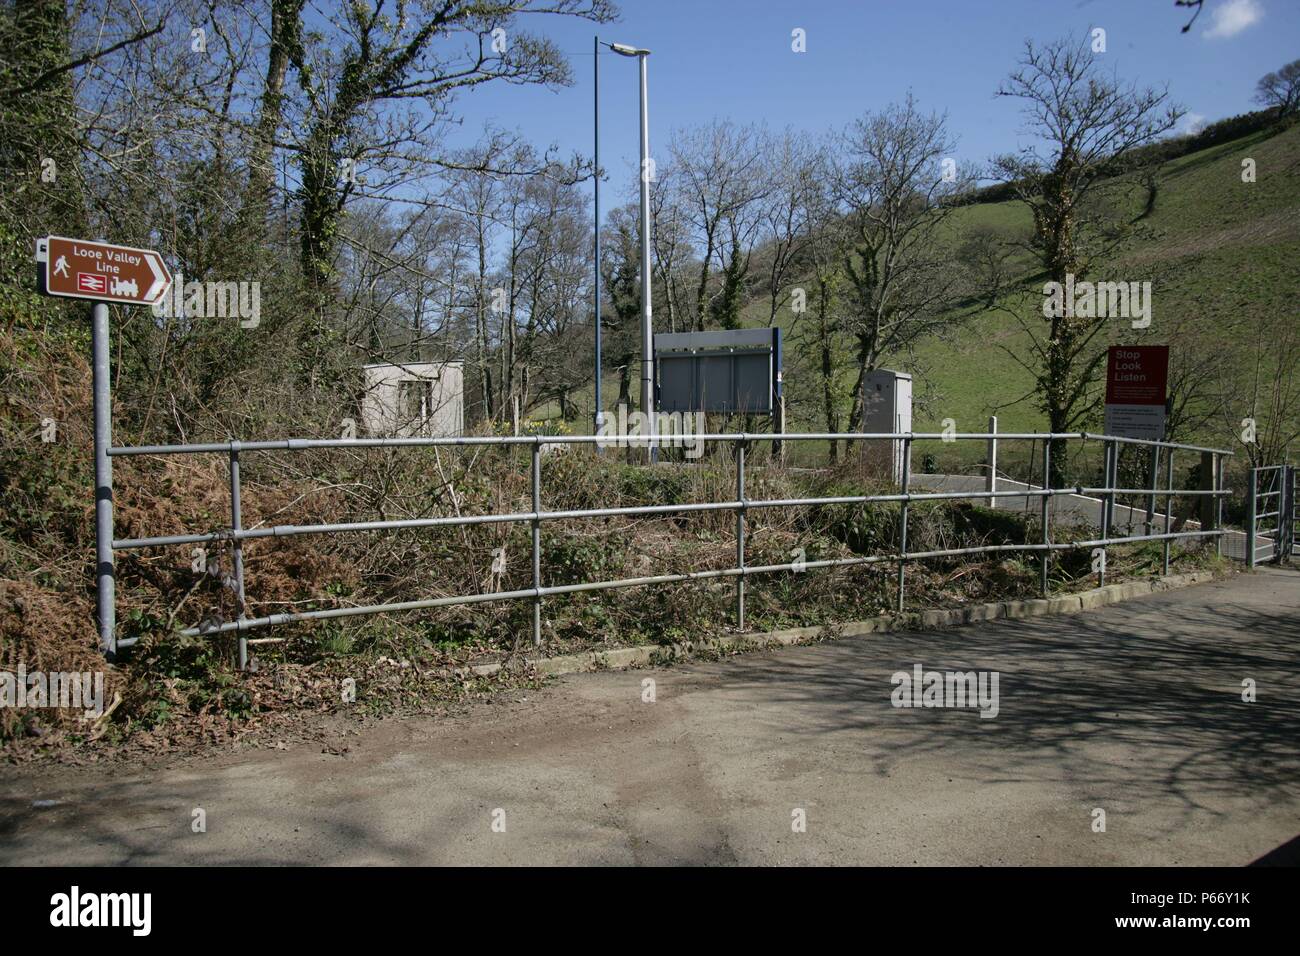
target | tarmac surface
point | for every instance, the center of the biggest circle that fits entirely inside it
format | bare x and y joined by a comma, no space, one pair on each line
1135,710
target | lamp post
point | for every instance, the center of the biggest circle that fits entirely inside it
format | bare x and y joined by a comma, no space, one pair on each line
600,409
647,324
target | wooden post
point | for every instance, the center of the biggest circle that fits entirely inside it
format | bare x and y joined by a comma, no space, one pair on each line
1207,483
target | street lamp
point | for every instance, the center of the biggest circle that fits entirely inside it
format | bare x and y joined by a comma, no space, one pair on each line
595,135
647,324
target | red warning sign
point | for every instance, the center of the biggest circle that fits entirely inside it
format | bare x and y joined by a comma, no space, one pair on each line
1137,378
1137,374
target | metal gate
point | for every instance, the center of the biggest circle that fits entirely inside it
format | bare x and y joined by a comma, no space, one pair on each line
1293,491
1271,528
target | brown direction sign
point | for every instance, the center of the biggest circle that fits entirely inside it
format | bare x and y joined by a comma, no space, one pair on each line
96,270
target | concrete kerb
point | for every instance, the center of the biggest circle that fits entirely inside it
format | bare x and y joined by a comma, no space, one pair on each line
647,655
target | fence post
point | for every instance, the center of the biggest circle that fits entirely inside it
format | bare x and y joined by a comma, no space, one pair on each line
902,520
1288,540
1205,506
778,427
1251,507
105,580
1155,480
1047,499
991,479
740,533
1219,486
537,540
1116,449
1107,514
1283,484
1169,505
236,526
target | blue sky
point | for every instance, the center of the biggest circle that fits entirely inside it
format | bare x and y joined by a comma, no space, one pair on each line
733,59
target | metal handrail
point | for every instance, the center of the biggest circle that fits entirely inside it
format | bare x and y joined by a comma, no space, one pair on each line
627,441
237,534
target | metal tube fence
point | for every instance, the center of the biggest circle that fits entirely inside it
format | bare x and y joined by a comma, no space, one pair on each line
1169,508
902,520
236,534
537,544
1047,525
1108,505
740,535
1268,487
237,547
1220,483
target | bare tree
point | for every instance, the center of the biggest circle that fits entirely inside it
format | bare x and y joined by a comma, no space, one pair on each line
670,246
821,338
1086,123
1260,397
621,279
1280,90
986,253
787,224
721,178
891,185
285,44
361,87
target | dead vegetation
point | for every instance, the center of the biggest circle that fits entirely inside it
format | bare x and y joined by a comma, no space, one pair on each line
172,691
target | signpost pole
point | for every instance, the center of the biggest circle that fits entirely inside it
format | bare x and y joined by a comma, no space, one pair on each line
105,585
102,273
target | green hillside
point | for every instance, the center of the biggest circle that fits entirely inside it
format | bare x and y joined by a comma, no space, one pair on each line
1222,258
1221,255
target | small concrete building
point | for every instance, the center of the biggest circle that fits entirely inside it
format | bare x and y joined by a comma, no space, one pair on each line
414,399
887,409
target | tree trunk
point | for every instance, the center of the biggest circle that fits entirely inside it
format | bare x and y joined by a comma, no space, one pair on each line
286,28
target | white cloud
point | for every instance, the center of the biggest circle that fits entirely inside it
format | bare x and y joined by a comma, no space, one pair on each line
1232,16
1191,123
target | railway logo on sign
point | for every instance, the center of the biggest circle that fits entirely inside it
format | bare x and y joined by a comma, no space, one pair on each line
77,269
